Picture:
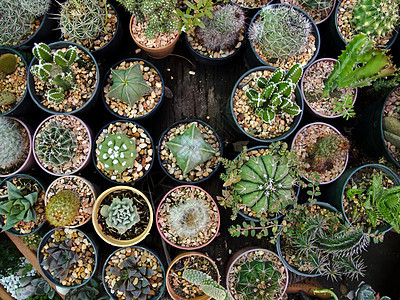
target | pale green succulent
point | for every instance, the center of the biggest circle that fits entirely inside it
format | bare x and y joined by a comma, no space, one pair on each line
208,285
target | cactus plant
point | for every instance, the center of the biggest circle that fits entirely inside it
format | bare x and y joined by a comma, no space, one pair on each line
281,32
276,94
117,152
376,17
12,149
391,127
128,85
206,284
316,4
55,69
8,64
190,149
359,65
121,214
32,241
62,208
6,98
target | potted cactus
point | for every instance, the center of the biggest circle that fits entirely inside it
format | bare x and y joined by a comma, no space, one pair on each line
319,10
63,78
251,5
206,283
62,144
133,89
195,149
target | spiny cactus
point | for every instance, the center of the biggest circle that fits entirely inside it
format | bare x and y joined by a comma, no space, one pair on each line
222,31
12,143
121,214
62,208
276,95
282,32
359,65
190,149
36,7
208,285
128,85
265,184
159,16
326,150
8,64
55,69
55,145
32,240
391,127
18,207
117,152
134,7
6,98
258,279
376,17
82,20
316,4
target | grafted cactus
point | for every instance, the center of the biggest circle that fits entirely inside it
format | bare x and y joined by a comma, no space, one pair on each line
121,214
208,285
62,208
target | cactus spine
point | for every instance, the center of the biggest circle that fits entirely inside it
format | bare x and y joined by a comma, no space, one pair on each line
12,143
62,208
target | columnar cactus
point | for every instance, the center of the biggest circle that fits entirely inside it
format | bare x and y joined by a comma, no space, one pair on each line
12,143
276,94
117,152
62,208
208,285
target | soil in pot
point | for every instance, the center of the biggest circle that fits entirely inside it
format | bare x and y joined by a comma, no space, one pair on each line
188,217
251,3
145,104
319,11
391,122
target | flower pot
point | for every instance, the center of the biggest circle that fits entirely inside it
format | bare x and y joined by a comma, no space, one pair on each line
187,213
319,16
146,218
203,170
151,102
76,153
251,8
193,260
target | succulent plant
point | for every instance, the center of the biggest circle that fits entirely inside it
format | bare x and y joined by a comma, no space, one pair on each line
316,4
391,130
32,240
208,285
133,278
62,208
18,207
359,65
82,20
121,214
91,290
38,285
376,17
55,69
276,94
12,148
117,152
7,98
128,85
222,31
55,145
8,64
282,32
190,149
36,7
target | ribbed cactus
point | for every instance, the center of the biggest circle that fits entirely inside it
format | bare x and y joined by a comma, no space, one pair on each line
82,20
316,4
117,152
208,285
391,130
376,17
54,68
258,280
8,64
190,149
128,85
359,65
55,145
282,32
6,98
62,208
266,184
12,143
276,94
121,214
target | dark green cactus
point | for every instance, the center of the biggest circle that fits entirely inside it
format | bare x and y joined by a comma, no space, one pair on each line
8,64
62,208
6,98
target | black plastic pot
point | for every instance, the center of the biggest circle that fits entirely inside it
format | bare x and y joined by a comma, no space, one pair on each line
146,116
251,11
251,57
234,123
159,147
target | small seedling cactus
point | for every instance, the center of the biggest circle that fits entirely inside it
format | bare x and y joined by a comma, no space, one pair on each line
121,214
276,94
6,98
32,241
62,208
8,64
391,127
190,149
117,152
128,85
208,285
55,69
12,143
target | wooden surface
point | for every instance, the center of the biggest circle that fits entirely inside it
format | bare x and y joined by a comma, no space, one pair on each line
4,295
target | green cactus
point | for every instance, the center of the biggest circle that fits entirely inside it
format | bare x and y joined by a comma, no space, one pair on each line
18,207
265,184
6,98
62,208
258,279
134,7
8,64
12,149
208,285
376,17
32,241
276,94
282,32
359,65
55,69
190,149
117,152
121,214
128,85
56,145
36,7
316,4
391,130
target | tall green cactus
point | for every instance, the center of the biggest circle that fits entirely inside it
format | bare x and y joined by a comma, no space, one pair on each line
208,285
